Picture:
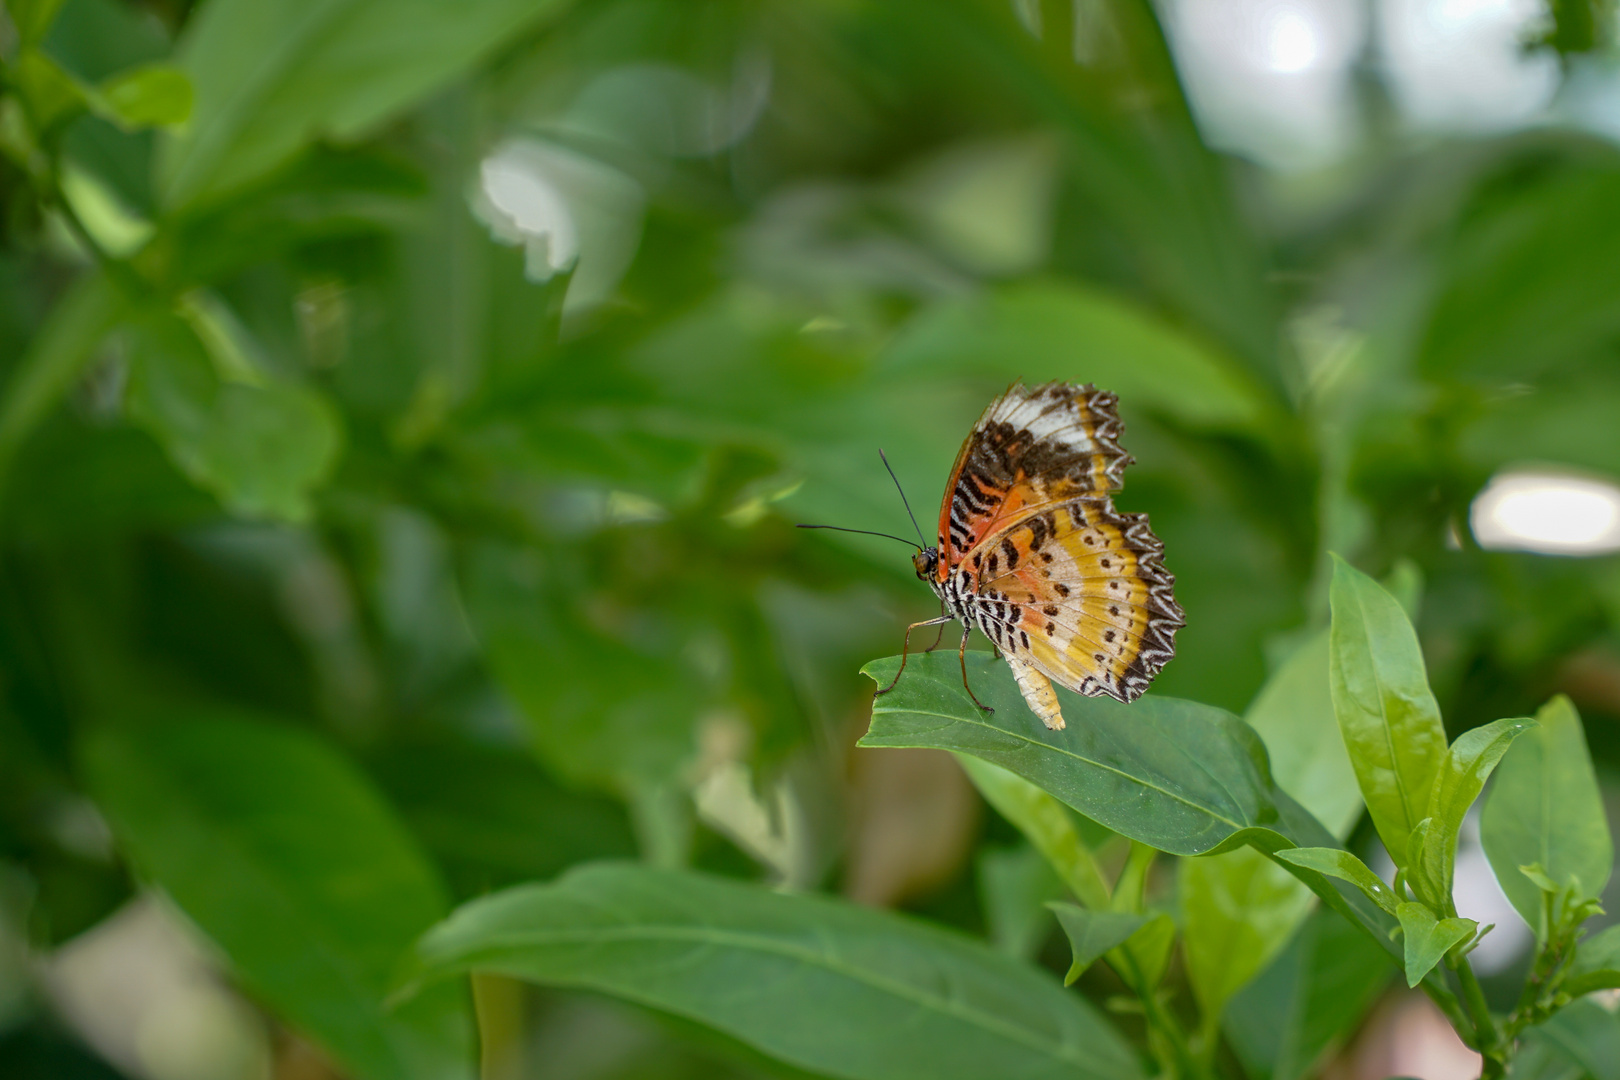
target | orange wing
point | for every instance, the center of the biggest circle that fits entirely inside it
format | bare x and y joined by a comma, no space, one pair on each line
1082,596
1071,589
1034,448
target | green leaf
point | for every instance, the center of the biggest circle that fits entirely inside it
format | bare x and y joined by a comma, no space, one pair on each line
1545,808
157,95
1340,864
260,449
57,355
1294,715
1596,965
1015,885
1387,714
1028,330
1240,910
818,983
1429,939
283,854
1045,823
1316,992
1176,775
630,720
271,79
1587,1034
32,18
1520,291
1463,772
53,94
493,818
1092,933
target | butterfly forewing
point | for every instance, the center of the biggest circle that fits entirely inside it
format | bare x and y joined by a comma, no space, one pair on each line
1032,449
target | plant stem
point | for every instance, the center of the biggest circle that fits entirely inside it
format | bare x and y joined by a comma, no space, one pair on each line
1448,1004
1161,1022
1485,1033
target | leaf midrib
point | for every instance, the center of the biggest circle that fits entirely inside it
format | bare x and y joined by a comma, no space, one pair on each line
771,946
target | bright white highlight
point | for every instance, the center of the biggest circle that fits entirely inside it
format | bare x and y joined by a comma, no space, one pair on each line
1270,79
1549,513
1461,64
517,187
1291,44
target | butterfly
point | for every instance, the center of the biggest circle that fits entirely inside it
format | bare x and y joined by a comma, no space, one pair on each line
1032,552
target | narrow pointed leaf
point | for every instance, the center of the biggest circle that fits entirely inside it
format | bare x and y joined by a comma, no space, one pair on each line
821,984
1387,714
1313,995
1428,939
1341,864
1545,809
1463,772
1092,933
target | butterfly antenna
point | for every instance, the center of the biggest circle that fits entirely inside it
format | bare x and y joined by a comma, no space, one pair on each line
903,500
863,532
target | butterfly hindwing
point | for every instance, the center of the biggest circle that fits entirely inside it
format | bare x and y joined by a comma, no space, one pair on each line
1079,592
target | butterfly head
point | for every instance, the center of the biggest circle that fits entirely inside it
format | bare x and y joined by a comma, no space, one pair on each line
926,562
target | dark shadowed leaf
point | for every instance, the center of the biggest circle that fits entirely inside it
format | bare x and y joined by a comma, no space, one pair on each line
1545,808
287,858
1315,992
1387,714
821,984
1015,885
1596,965
493,817
1588,1035
1092,933
55,358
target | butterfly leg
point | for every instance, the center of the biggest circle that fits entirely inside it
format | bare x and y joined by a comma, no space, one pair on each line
941,635
905,650
961,655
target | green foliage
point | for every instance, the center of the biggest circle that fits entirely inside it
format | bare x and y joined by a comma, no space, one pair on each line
1093,933
1545,811
779,972
314,898
1386,712
438,383
1429,939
